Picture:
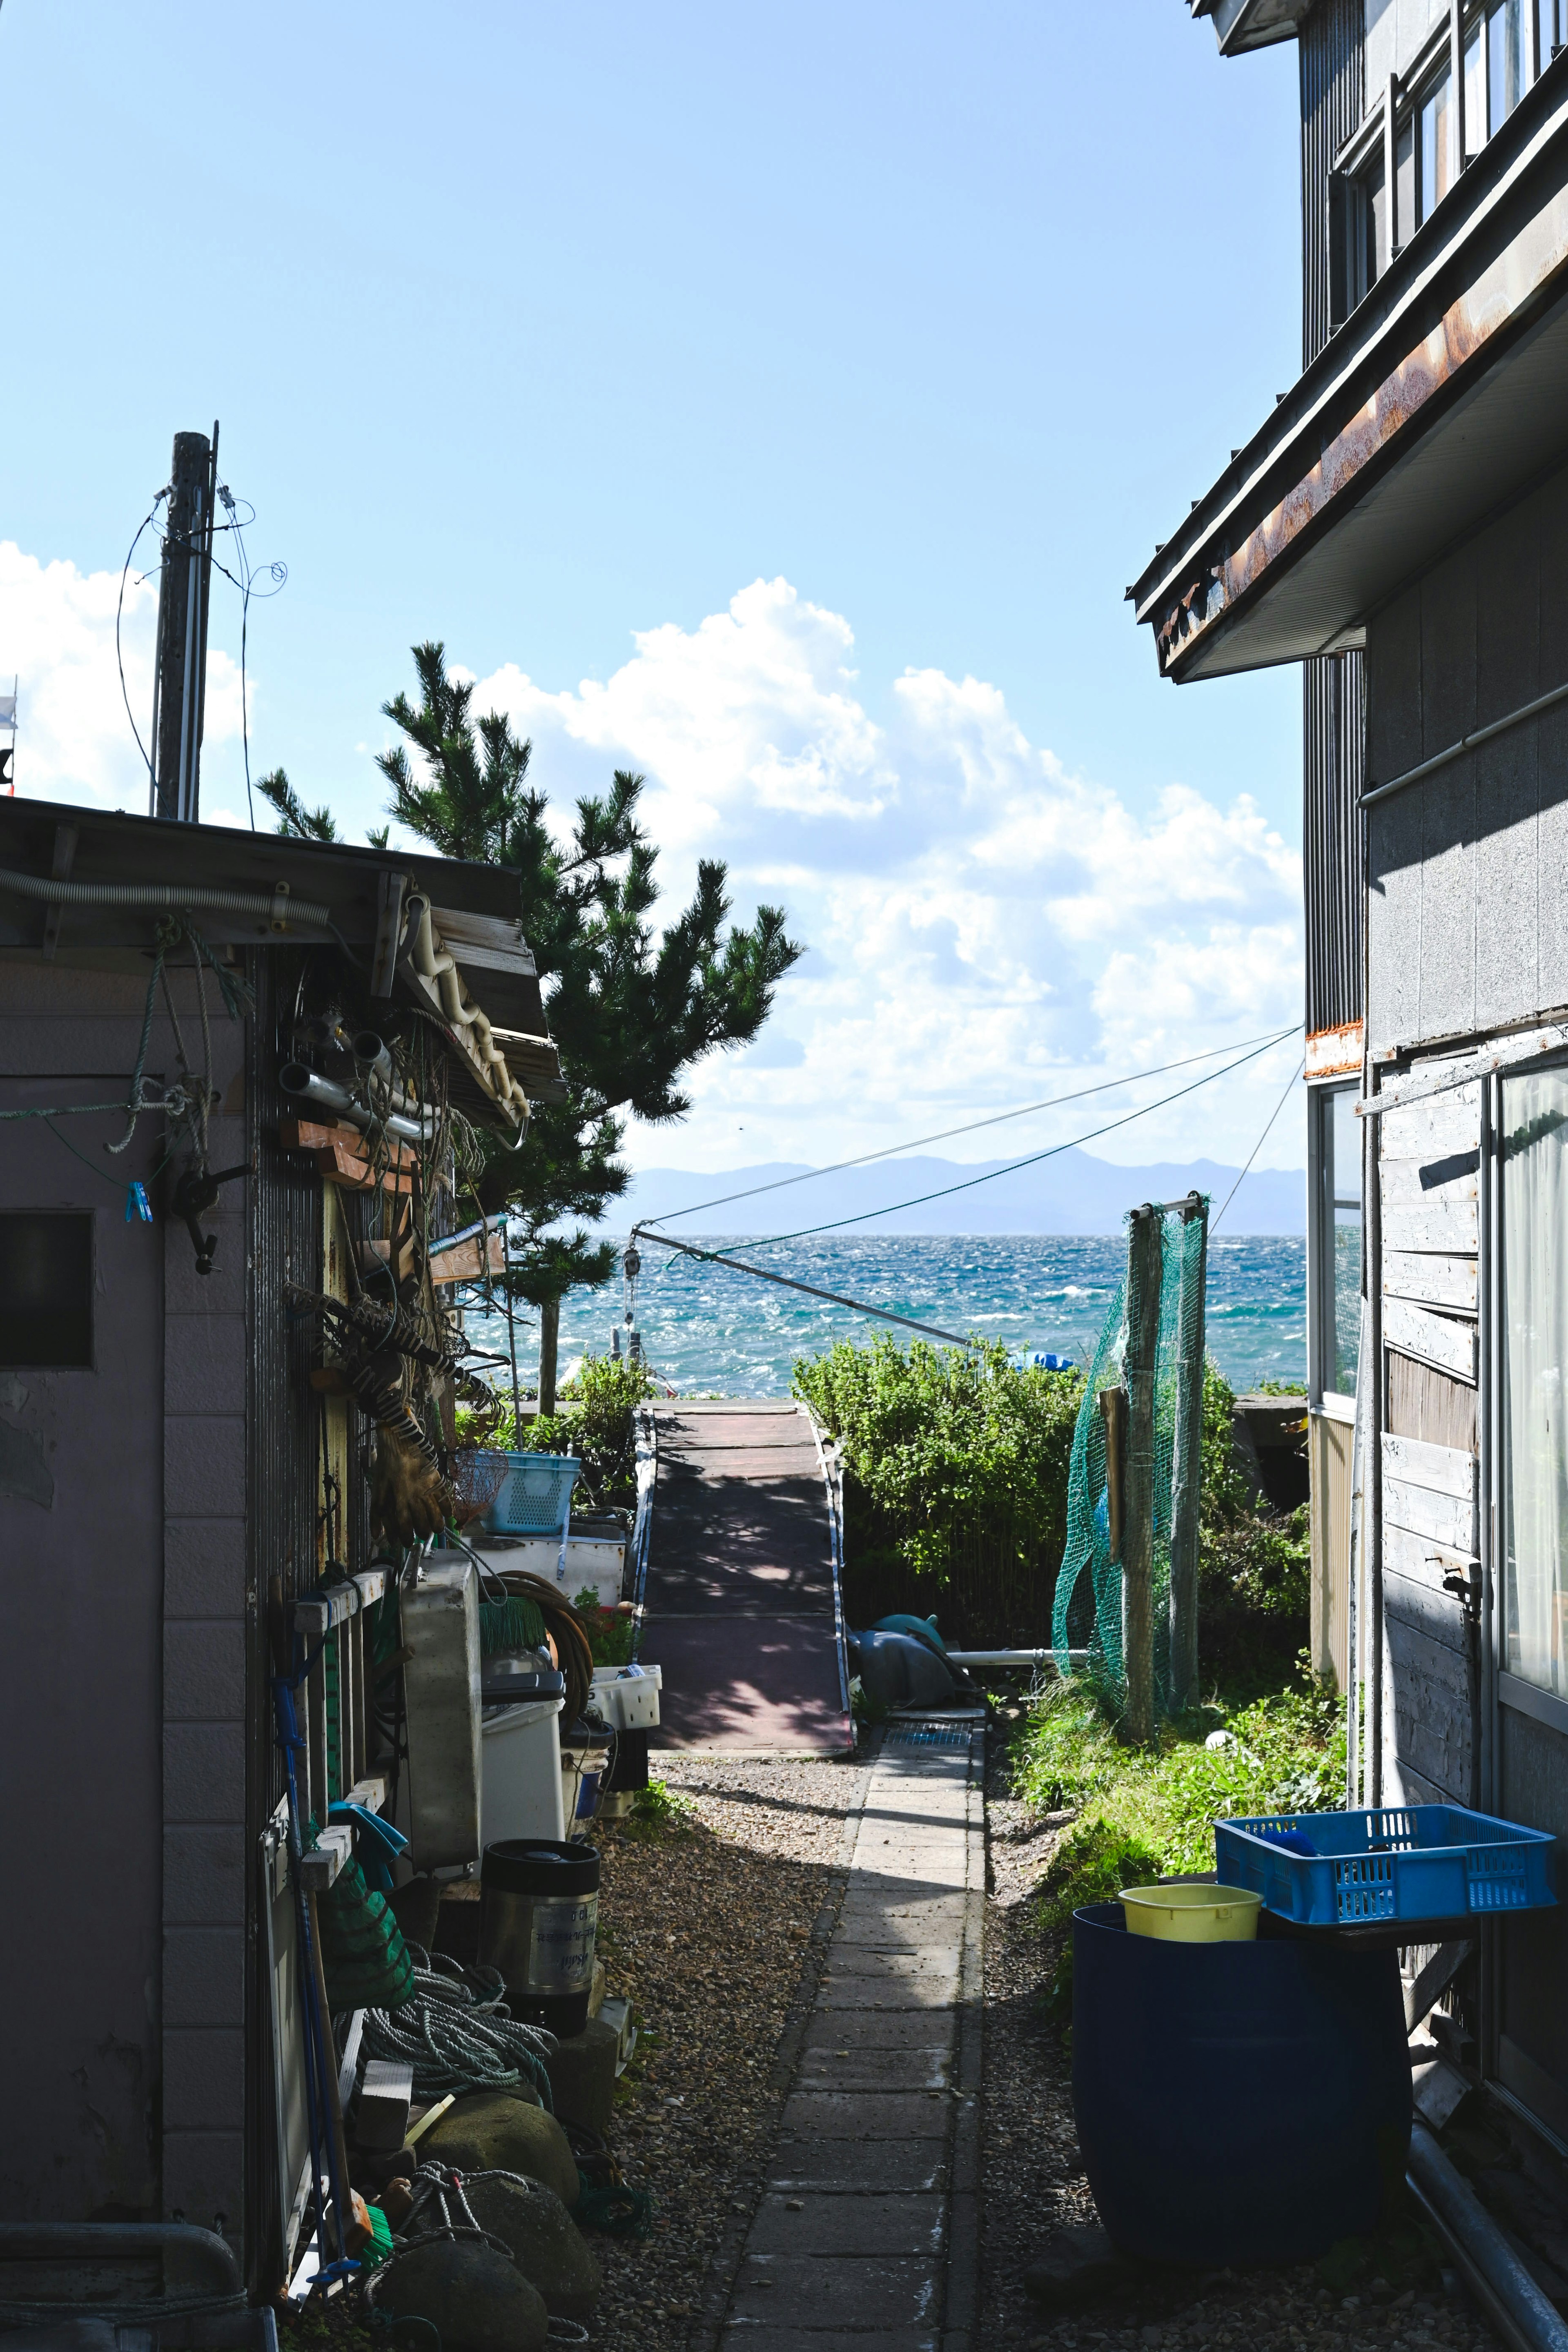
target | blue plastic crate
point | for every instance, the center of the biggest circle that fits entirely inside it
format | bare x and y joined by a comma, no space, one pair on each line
535,1494
1405,1861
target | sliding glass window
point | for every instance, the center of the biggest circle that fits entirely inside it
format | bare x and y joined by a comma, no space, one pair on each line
1534,1465
1335,1241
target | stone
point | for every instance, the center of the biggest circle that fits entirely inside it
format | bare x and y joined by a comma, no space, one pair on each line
546,2243
1075,2266
474,2298
583,2075
491,2131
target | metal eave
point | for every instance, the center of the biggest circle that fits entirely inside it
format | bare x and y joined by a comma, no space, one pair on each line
1243,25
1454,302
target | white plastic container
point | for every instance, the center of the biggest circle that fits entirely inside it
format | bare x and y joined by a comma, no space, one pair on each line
597,1560
520,1794
627,1696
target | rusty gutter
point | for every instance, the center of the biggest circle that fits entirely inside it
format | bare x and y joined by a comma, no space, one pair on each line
1158,590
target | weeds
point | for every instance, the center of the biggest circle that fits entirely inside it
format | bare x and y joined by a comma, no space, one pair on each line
661,1812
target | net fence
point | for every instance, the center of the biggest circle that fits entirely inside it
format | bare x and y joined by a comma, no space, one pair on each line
1089,1611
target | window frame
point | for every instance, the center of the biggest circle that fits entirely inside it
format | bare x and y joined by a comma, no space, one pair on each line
87,1218
1323,1194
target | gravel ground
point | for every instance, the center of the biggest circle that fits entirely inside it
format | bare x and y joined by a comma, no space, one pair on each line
707,1932
1032,2180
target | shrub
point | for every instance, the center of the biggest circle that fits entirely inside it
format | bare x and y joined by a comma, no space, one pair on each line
596,1423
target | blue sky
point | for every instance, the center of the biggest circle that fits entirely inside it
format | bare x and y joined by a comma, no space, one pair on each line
775,400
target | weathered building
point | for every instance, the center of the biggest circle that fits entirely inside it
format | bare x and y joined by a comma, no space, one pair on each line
172,1474
1398,525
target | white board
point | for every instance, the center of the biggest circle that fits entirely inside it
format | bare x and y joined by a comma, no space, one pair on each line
1451,1179
1430,1279
1447,1519
1419,1559
1444,1469
1452,1227
1446,1342
1428,1131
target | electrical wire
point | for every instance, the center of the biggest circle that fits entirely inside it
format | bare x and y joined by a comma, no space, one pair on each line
787,1282
119,658
971,1127
1011,1168
1260,1142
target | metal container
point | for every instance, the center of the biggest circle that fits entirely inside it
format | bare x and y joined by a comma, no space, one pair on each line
539,1907
441,1692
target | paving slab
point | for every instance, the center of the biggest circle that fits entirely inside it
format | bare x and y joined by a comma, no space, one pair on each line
933,1989
927,2068
839,2290
865,2115
744,2335
900,1966
900,2224
881,2029
870,2168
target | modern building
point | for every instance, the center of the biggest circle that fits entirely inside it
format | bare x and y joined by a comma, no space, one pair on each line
1398,526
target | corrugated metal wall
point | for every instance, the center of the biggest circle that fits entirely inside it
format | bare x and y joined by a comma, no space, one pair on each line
1334,690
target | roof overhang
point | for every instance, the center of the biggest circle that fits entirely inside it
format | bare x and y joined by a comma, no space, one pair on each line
1241,24
1438,401
368,897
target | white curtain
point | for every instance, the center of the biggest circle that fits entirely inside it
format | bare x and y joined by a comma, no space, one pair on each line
1536,1375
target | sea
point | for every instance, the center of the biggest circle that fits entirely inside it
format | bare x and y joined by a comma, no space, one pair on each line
710,1330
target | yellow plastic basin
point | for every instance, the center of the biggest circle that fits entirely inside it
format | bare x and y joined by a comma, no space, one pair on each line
1192,1915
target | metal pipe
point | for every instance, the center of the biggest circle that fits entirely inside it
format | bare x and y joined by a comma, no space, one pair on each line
277,909
1531,2320
1010,1657
1477,735
372,1053
303,1084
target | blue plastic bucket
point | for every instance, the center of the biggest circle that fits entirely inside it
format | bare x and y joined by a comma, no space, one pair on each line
1237,2103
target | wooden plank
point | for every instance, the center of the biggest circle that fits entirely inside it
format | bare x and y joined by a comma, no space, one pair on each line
1445,1469
1430,1278
1434,1614
1448,1519
1443,1340
462,1263
1432,1706
1455,1178
1420,1559
1429,1405
1451,1226
1428,1131
317,1135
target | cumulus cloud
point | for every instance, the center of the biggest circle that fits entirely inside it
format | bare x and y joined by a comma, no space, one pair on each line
986,924
74,738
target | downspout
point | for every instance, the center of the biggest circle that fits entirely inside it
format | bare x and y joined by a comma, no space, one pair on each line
1513,2302
1372,1274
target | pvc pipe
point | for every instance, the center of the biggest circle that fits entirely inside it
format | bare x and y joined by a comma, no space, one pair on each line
303,1084
1461,2216
1010,1657
277,909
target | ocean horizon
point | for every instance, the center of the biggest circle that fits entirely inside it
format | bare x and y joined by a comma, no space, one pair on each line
709,1329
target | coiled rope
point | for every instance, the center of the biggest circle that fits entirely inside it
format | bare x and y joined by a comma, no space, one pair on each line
455,2040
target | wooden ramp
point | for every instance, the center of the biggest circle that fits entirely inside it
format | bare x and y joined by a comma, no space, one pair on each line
739,1585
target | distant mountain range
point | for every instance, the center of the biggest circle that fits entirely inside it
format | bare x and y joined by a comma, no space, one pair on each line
1073,1193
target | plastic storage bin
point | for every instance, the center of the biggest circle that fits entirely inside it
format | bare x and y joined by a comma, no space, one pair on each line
1406,1862
535,1494
627,1696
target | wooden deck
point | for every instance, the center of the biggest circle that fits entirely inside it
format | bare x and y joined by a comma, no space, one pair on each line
740,1594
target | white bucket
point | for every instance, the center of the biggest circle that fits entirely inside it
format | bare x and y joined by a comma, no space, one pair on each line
520,1781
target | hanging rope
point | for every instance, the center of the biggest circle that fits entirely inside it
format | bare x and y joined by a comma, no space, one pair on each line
457,2042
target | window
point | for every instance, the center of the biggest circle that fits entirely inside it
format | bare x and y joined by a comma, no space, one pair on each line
1505,63
1432,149
46,1288
1550,29
1534,1465
1336,1239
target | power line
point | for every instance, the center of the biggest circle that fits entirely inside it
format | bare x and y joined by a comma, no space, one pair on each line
1033,1159
1260,1142
787,1282
971,1127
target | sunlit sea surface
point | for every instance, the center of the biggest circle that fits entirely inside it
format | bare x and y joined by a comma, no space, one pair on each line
706,1328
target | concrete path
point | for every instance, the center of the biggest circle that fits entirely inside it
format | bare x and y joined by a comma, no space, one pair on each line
741,1596
865,2236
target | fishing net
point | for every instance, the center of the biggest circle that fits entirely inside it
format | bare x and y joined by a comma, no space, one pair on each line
1089,1613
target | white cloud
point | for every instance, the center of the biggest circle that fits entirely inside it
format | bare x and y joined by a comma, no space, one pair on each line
57,636
987,926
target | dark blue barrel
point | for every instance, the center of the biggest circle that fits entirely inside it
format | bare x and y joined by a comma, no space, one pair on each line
1237,2103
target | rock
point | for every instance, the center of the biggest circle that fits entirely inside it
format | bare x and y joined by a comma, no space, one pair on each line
583,2075
545,2242
491,2131
476,2299
1074,2266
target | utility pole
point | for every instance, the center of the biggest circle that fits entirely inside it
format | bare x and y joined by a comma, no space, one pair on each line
1186,1465
179,692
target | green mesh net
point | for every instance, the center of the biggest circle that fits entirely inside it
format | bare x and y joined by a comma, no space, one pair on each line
1089,1610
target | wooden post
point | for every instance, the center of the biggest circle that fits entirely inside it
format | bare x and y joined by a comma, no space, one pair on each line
549,1344
1145,1244
1113,1412
1186,1464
